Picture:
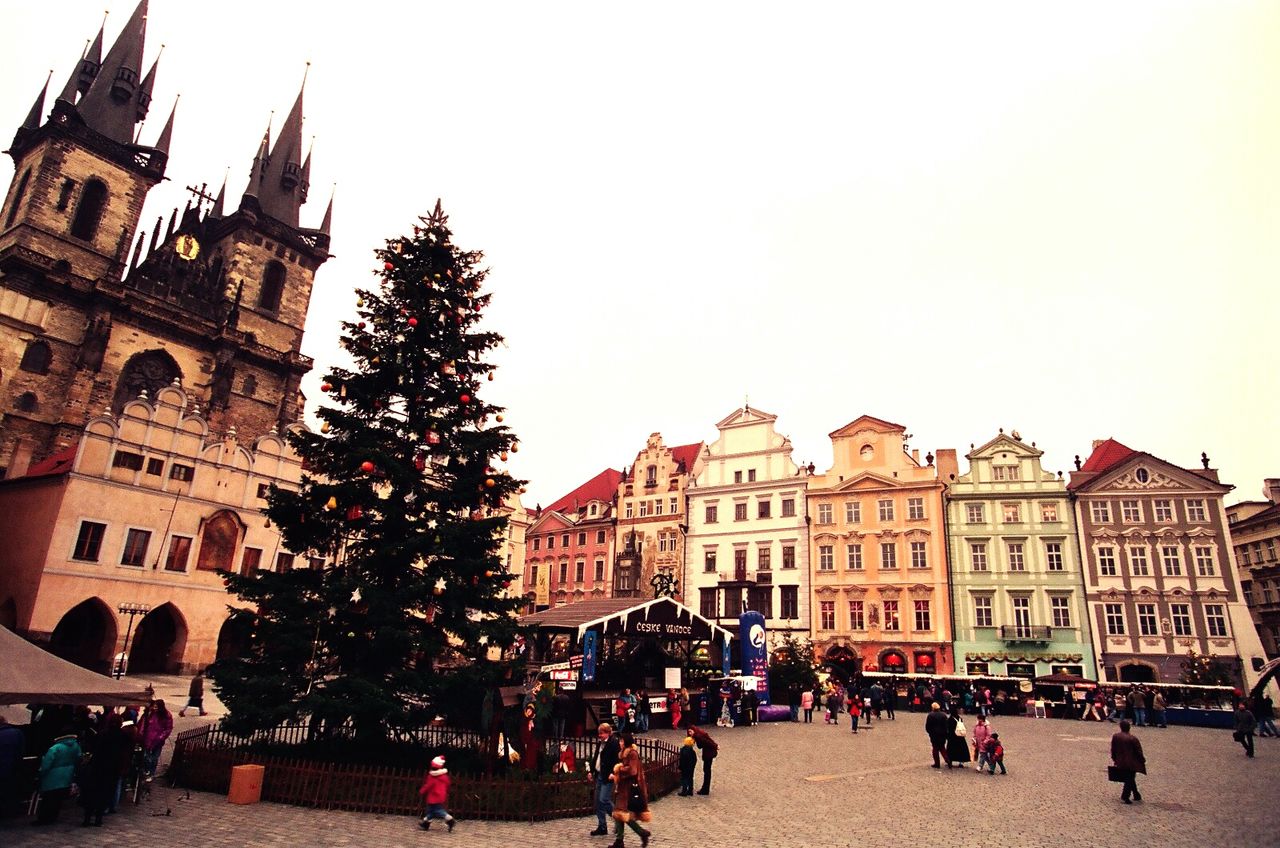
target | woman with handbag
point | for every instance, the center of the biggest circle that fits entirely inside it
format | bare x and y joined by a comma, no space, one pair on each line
630,793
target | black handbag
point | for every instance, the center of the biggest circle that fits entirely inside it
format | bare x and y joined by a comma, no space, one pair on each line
636,801
1237,735
1116,774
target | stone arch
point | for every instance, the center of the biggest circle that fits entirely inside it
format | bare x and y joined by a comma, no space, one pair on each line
86,635
1137,671
892,659
234,635
27,402
149,370
220,536
93,201
160,642
37,357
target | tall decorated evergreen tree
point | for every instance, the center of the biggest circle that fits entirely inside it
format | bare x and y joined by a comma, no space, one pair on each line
401,497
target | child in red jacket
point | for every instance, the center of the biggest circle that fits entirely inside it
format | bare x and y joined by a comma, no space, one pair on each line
435,791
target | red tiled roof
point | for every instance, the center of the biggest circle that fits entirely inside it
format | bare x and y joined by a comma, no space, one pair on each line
55,464
688,454
599,488
1107,455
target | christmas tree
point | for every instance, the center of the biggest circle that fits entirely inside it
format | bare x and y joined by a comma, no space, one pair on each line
402,499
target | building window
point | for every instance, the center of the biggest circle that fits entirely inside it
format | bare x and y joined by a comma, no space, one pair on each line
1004,472
1163,511
599,537
1171,559
826,561
827,615
712,514
824,513
135,547
1147,620
1138,564
272,286
284,562
1060,608
919,559
1114,614
181,473
790,597
1107,562
760,599
1053,556
737,476
628,511
27,402
36,358
888,556
599,571
1196,511
17,199
1017,562
250,386
764,558
852,512
974,513
89,541
582,539
1215,619
580,570
179,550
1131,512
1100,512
857,616
1049,513
740,512
564,540
982,611
250,560
644,508
891,621
651,475
1012,513
978,556
155,466
764,509
788,556
1204,561
885,509
537,542
1180,614
915,509
707,603
788,507
709,561
923,620
657,506
853,557
564,572
551,542
675,505
315,563
128,460
93,200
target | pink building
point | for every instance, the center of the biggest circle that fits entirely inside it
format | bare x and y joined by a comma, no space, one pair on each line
569,545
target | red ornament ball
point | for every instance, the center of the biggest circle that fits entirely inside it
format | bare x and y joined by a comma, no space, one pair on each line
326,387
413,322
465,398
366,467
388,266
360,325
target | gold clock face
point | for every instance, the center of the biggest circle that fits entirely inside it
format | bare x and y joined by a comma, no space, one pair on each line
187,247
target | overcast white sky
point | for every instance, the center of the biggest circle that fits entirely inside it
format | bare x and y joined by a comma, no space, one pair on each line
1060,218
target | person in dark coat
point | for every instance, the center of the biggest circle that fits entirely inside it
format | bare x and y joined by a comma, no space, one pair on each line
890,699
602,762
1127,756
100,776
709,751
937,727
12,744
1245,725
688,762
957,744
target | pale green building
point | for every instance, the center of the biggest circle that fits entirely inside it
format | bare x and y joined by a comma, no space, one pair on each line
1017,588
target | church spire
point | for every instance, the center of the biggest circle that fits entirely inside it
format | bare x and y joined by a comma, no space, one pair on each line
260,160
110,106
220,202
86,69
37,109
148,85
166,134
282,192
327,224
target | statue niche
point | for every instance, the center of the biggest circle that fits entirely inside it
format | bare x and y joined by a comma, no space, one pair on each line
151,371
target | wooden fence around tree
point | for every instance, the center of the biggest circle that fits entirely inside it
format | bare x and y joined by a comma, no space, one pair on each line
203,759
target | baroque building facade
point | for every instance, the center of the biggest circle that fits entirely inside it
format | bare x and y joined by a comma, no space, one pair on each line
877,554
747,544
569,545
1017,588
1160,572
1255,534
651,520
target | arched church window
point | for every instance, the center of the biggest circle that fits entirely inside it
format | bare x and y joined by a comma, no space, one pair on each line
17,199
151,370
272,286
93,200
218,540
27,402
36,358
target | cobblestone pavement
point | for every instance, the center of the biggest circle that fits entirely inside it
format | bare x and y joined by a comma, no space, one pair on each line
781,785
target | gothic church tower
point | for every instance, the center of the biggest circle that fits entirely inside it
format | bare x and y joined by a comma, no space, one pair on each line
214,301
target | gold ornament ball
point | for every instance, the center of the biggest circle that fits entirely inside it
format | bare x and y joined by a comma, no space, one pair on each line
490,376
515,449
324,428
499,418
503,455
489,483
332,504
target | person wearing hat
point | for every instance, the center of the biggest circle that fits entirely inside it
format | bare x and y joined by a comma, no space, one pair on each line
435,791
938,729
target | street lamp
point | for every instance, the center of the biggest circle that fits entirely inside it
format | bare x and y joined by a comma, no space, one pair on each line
131,610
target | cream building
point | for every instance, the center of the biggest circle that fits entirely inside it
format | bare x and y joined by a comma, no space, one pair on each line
747,545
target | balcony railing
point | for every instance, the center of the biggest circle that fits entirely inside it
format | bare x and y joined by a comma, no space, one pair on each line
1025,633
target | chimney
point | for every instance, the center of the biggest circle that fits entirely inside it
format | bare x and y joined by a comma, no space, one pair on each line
1271,489
915,455
948,466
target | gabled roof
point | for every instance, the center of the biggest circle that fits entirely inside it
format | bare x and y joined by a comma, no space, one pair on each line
1015,443
599,488
1108,454
745,415
687,454
862,421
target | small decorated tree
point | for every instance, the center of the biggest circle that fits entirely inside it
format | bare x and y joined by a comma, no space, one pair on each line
402,499
1201,670
791,664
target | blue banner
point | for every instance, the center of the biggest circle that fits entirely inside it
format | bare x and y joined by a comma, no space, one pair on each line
724,658
755,652
590,645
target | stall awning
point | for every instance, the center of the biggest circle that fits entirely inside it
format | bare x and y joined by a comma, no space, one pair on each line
661,617
31,675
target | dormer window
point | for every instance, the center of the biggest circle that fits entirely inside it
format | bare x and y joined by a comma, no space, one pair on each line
291,177
1143,475
651,475
122,87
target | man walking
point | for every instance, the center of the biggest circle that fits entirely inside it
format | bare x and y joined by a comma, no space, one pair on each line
608,749
709,750
1245,725
1126,755
1265,713
891,699
937,728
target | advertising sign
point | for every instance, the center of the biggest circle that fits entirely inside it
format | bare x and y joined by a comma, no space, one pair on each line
542,585
755,652
590,647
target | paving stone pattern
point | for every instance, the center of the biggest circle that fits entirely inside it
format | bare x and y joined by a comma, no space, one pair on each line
782,785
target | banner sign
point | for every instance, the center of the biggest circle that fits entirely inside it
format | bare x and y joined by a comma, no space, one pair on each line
755,652
590,645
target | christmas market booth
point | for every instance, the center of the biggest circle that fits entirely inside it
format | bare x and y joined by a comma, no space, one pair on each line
594,650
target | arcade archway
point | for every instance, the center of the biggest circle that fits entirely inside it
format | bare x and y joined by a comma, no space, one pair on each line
159,643
1136,672
86,635
233,637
